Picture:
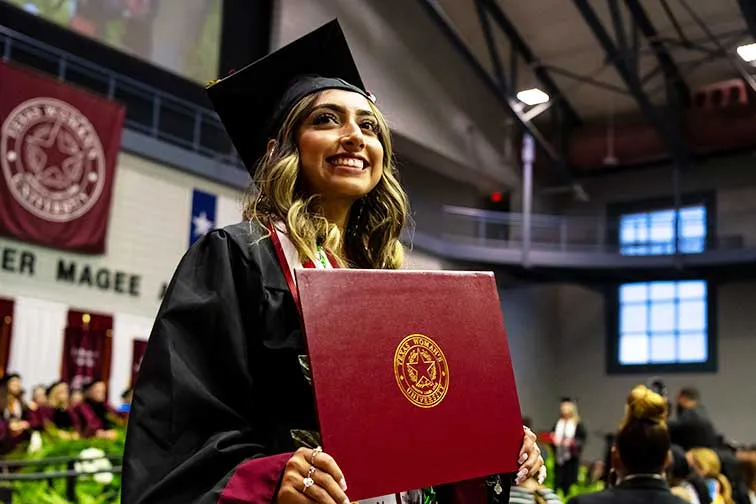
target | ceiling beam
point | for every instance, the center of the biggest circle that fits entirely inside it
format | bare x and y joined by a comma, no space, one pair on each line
501,90
524,50
668,129
666,62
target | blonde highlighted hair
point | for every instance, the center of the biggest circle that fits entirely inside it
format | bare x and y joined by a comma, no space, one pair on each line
707,462
643,404
643,439
371,238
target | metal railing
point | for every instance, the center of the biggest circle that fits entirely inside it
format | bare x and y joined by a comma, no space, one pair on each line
9,472
149,110
596,233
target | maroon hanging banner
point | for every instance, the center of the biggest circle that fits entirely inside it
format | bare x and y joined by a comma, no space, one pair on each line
136,358
58,150
6,333
87,349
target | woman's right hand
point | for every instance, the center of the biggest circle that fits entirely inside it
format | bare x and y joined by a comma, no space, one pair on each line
311,475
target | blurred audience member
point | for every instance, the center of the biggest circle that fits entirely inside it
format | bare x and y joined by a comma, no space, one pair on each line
96,415
734,471
58,411
77,397
568,437
640,455
15,423
125,406
748,459
684,482
39,397
692,427
530,492
706,463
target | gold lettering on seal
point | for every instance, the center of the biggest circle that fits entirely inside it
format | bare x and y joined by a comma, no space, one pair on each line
421,371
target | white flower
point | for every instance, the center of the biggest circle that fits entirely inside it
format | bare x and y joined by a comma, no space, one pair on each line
103,478
35,443
94,461
91,453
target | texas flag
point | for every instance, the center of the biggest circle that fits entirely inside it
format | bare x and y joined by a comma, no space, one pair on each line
204,210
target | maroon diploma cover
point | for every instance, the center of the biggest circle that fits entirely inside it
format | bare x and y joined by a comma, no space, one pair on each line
412,374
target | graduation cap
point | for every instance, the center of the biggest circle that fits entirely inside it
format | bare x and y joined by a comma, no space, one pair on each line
253,102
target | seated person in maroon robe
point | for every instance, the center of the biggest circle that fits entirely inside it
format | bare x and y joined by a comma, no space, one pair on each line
58,413
39,397
97,417
19,419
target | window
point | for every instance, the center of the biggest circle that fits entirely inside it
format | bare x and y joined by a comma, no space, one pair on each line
653,233
663,324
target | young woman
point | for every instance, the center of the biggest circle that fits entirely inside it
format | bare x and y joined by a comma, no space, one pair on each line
58,412
95,416
223,410
568,437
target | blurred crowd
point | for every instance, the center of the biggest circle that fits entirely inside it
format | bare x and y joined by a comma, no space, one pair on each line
56,409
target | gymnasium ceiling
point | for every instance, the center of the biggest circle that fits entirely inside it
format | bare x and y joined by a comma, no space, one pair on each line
625,77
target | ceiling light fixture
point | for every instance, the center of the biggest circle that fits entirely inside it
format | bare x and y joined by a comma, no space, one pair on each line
747,52
532,96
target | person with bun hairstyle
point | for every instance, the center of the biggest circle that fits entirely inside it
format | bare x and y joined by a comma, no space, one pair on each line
640,455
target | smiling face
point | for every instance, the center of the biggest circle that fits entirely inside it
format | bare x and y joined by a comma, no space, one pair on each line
339,147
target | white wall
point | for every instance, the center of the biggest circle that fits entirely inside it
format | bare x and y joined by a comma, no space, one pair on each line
434,102
148,233
531,331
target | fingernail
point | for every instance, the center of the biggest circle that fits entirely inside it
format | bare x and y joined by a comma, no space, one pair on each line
347,501
343,486
523,458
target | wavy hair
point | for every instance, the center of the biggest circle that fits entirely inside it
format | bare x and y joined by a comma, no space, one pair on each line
371,238
710,466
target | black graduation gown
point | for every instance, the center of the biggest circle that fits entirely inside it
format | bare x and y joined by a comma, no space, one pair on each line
221,387
221,382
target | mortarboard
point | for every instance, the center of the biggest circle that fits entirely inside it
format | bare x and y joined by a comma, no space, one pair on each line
253,102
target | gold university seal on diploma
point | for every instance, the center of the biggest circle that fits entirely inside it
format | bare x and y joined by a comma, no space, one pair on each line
421,370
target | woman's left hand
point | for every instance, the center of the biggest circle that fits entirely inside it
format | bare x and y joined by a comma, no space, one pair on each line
530,460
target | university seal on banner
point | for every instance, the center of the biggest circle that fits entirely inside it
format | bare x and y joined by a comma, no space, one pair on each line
52,159
421,370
